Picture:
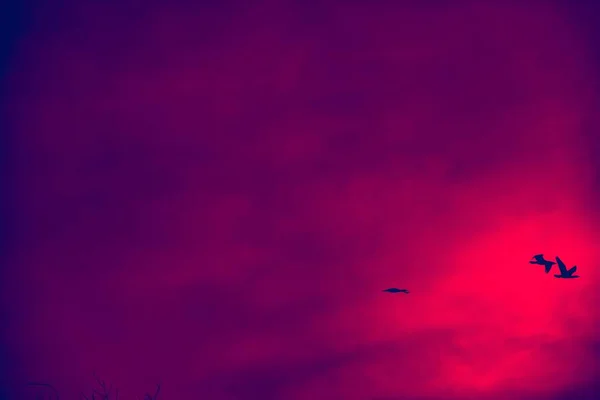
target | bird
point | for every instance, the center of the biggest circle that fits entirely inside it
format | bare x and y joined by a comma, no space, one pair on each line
396,290
540,260
564,272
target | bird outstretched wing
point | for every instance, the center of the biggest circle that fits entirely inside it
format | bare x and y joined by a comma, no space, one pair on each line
561,265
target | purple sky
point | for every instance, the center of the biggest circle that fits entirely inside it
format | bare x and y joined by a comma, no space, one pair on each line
213,196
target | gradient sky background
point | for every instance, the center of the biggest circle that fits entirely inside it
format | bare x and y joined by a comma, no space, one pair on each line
212,195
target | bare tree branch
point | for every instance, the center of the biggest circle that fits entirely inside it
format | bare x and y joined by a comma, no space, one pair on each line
47,386
103,393
148,396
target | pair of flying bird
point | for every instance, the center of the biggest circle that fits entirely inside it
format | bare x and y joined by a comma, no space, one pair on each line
564,272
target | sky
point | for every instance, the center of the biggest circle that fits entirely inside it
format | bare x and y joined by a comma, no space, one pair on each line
211,196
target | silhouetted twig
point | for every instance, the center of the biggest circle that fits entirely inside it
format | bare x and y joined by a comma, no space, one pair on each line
148,396
40,396
103,393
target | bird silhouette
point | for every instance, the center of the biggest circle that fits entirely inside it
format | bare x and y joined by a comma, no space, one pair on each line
540,260
396,290
564,272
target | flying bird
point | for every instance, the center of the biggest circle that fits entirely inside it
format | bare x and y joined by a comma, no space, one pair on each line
564,272
540,260
396,290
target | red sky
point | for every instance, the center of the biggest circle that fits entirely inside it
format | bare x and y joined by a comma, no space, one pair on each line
213,196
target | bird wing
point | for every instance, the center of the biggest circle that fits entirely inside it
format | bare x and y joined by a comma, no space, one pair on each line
561,265
572,270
